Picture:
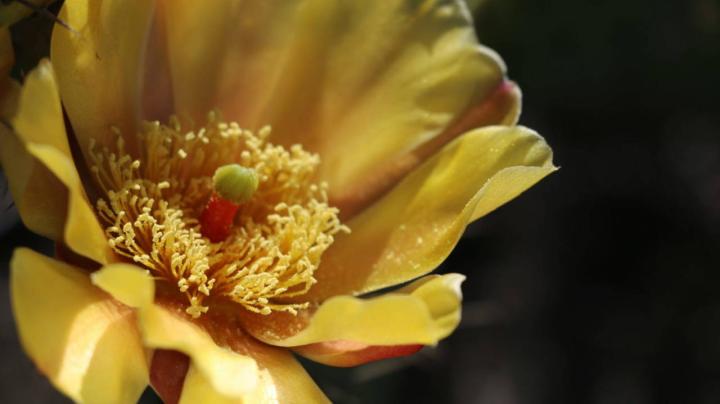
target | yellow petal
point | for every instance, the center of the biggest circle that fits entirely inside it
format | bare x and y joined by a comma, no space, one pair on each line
252,46
230,374
128,284
422,313
85,342
82,233
39,119
414,227
373,80
243,369
39,196
281,380
100,65
237,48
197,389
49,202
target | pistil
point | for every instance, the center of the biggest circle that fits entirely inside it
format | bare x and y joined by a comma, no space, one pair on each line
233,185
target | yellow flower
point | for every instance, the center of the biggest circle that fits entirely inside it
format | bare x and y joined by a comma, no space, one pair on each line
351,143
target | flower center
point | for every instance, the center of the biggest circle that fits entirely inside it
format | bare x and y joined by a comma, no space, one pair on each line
218,211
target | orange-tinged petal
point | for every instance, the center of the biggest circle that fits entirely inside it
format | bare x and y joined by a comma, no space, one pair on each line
167,374
374,80
100,65
348,353
84,341
421,313
54,205
414,227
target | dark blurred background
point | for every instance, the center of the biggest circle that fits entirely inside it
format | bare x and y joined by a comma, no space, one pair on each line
602,283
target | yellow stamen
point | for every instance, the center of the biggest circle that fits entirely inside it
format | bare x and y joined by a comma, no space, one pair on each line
152,201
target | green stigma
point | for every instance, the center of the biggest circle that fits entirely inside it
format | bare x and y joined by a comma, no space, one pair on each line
235,182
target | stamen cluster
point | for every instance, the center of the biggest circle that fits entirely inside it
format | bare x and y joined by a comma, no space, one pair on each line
151,203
